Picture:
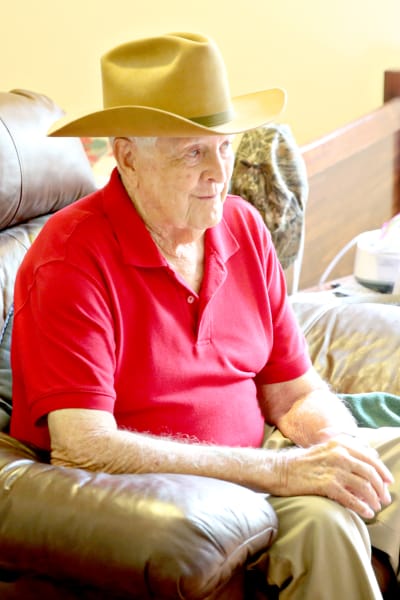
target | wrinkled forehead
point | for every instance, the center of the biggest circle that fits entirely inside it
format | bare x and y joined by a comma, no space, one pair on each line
184,142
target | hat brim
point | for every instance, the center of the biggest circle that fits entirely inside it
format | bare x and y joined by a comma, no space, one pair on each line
250,111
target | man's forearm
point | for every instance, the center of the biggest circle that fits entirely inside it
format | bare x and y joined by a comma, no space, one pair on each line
316,417
90,439
100,446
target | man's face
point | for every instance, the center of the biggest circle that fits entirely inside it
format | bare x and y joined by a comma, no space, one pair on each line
181,183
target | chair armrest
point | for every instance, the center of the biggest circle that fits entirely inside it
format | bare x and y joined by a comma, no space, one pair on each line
146,535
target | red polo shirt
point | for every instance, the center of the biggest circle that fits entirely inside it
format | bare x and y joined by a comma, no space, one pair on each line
103,322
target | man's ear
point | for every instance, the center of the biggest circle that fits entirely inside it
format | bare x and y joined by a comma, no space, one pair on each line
124,154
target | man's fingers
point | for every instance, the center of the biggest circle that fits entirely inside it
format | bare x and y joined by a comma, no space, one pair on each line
347,498
365,452
349,473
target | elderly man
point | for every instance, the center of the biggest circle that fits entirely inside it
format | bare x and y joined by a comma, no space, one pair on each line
152,331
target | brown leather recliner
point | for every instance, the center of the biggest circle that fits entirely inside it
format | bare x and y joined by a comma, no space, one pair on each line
67,533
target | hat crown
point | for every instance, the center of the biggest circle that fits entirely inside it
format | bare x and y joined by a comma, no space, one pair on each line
180,73
173,85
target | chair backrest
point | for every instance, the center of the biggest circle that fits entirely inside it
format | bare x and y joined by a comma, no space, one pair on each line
38,176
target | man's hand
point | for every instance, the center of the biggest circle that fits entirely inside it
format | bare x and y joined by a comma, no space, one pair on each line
342,468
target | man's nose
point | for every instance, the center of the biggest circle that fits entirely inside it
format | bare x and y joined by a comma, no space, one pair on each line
216,168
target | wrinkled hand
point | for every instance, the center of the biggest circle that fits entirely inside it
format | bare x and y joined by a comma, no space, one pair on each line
343,469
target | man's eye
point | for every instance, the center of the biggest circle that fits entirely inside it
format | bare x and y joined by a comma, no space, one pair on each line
193,153
226,147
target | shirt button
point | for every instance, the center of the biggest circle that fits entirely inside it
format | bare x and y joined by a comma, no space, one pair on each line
190,299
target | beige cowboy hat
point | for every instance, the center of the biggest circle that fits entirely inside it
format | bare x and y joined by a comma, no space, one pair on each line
174,85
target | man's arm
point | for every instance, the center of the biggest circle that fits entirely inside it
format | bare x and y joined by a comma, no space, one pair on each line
305,410
90,439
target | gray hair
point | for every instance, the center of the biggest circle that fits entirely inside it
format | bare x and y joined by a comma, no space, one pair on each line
140,141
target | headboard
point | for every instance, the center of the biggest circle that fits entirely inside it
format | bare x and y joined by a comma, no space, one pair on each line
354,178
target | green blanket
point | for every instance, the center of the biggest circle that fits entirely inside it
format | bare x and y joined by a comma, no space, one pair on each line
375,409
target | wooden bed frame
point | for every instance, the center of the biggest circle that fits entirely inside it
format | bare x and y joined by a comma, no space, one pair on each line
354,177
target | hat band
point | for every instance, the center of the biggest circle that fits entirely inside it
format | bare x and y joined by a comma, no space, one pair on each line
215,119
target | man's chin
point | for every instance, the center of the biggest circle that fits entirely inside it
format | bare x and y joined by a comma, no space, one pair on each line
216,216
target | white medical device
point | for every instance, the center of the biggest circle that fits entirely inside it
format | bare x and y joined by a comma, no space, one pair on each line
377,258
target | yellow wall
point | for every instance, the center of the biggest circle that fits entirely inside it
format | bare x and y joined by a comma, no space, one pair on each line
330,55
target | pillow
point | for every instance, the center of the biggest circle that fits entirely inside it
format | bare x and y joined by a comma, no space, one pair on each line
101,158
269,171
96,148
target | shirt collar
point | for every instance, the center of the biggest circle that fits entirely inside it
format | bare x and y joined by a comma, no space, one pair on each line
135,241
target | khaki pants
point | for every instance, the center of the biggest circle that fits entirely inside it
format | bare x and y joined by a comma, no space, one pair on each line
323,551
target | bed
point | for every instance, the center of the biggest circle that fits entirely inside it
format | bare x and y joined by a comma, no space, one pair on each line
354,179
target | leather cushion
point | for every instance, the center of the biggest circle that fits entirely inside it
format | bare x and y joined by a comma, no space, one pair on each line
354,346
143,536
38,174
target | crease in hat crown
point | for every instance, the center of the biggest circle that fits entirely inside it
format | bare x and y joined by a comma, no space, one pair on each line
175,84
183,74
